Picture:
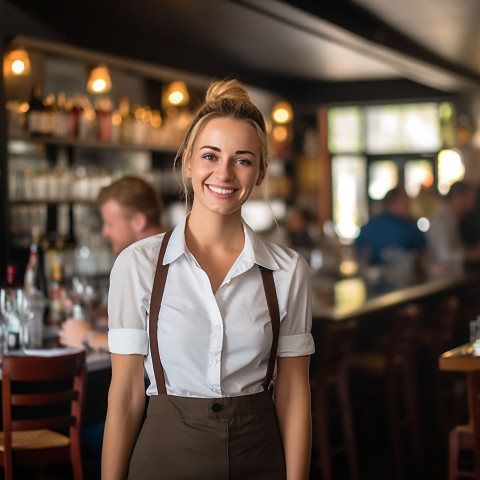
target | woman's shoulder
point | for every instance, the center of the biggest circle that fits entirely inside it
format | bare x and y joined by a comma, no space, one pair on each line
146,250
286,257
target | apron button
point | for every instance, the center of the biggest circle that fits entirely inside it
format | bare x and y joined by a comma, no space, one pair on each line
216,407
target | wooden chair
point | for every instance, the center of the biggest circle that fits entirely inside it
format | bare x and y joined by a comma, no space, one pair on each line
42,411
387,371
331,399
466,438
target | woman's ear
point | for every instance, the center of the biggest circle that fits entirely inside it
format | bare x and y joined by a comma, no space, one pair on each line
187,168
260,178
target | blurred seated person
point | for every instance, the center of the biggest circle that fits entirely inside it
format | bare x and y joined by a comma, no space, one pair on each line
298,227
391,233
446,248
131,210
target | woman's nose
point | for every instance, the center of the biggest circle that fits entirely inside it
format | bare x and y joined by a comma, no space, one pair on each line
224,171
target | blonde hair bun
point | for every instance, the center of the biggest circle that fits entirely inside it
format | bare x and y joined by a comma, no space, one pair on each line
227,89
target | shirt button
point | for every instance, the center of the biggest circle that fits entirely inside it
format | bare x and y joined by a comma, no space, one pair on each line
216,407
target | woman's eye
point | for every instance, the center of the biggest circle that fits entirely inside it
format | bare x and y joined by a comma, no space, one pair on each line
243,161
209,156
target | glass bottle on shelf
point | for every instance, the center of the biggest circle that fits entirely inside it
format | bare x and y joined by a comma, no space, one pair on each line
9,320
34,281
126,127
36,112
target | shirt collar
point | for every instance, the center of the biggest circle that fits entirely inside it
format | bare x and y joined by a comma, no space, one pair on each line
255,249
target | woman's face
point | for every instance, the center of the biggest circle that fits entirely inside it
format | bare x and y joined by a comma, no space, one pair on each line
225,165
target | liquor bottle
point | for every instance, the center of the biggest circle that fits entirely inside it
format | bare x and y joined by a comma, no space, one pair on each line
36,112
11,277
61,129
11,326
34,281
126,127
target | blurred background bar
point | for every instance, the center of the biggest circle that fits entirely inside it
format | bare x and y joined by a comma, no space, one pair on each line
373,109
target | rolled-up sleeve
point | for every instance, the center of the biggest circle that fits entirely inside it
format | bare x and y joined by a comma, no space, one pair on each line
295,328
127,312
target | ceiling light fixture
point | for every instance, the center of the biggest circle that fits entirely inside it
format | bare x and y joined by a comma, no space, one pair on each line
282,112
17,62
177,93
99,80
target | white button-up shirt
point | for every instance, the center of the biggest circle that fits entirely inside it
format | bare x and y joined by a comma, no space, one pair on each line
211,345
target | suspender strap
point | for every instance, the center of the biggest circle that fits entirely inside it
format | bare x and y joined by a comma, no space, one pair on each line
155,302
272,302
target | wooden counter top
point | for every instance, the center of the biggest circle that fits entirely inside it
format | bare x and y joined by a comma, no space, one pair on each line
354,297
459,359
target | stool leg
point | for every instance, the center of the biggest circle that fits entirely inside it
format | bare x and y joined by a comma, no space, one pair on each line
395,431
411,404
349,433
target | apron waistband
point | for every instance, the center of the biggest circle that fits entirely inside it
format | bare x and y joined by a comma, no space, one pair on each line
223,407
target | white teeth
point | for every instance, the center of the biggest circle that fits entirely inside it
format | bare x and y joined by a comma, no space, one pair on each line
223,191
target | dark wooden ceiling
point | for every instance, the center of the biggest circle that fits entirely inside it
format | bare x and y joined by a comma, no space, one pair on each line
316,52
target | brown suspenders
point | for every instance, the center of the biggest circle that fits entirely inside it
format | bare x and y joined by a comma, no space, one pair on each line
156,300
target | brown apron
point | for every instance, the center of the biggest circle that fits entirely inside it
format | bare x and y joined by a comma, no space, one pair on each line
227,438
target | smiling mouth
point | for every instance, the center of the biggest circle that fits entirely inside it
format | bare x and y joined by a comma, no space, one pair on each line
222,191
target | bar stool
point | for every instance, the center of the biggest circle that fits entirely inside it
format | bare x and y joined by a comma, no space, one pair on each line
388,370
436,336
331,399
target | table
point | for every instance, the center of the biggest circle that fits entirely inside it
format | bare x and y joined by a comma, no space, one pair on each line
459,359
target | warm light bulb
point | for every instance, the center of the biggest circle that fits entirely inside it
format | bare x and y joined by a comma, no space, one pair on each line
282,112
280,133
17,62
177,93
99,85
99,80
18,67
175,98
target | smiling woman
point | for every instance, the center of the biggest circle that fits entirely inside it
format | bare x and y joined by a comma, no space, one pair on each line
206,353
222,174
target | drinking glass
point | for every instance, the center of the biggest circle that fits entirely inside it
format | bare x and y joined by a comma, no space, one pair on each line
6,309
23,309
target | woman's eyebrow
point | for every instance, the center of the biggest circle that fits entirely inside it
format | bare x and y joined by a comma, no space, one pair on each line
243,152
238,152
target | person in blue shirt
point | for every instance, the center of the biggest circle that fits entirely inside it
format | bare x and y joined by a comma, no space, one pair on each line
393,233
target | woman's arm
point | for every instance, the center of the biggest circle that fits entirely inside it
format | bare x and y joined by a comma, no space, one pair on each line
292,403
126,401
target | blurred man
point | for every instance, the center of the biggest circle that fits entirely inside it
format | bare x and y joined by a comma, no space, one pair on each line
392,233
131,210
446,250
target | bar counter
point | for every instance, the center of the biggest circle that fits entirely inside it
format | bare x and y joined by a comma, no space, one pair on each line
355,297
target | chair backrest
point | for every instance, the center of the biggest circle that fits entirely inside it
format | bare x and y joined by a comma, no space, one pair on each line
337,343
43,393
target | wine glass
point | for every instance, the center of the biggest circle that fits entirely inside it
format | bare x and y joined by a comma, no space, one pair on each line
23,308
6,309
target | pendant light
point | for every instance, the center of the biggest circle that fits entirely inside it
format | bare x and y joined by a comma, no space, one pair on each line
282,113
99,80
177,93
17,62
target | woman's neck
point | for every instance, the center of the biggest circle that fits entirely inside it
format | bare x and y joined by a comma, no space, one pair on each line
215,231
